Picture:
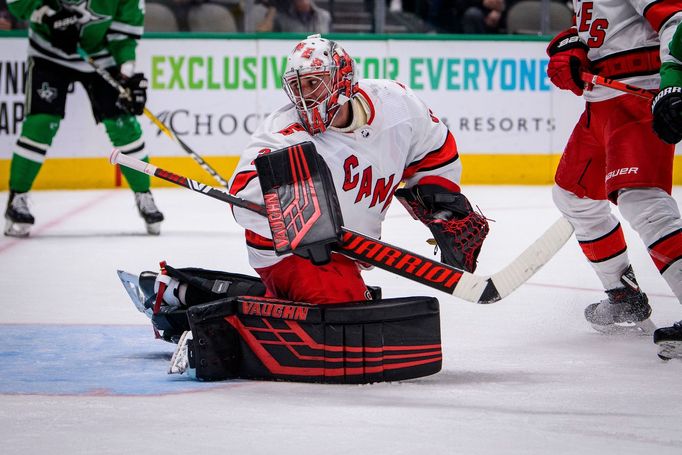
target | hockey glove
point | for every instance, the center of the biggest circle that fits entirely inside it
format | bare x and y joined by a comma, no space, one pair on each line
667,111
65,28
667,105
135,97
458,230
567,59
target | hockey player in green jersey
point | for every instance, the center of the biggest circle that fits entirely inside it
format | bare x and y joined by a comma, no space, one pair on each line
107,30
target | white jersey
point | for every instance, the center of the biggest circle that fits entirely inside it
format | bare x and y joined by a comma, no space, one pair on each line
402,141
624,39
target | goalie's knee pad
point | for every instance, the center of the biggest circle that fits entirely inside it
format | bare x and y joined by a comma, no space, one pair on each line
361,342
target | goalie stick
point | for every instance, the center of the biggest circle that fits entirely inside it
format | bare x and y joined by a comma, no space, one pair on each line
617,85
452,280
159,124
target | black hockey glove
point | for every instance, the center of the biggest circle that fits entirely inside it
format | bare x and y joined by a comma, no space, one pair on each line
459,230
65,29
136,93
667,110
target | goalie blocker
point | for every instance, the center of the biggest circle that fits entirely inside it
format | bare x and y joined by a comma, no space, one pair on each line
352,343
302,207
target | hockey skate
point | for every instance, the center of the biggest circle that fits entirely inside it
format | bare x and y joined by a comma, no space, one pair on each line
149,212
670,341
180,362
18,218
625,311
170,320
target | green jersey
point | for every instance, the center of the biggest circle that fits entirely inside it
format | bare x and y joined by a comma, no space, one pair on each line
109,30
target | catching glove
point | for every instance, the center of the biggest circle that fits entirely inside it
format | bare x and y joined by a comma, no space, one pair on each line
135,97
458,230
567,59
65,29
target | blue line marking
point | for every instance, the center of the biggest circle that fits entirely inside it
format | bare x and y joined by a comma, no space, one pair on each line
88,360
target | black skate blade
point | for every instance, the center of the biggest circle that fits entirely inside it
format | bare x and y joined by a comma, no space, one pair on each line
671,349
131,283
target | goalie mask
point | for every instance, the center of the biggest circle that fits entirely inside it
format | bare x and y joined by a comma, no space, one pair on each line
319,79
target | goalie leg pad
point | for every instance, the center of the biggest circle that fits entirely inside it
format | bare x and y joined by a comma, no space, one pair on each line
351,343
202,286
208,285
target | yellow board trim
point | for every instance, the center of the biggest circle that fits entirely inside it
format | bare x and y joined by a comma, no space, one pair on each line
88,173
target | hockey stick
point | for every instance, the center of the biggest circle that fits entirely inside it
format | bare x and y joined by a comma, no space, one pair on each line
452,280
616,85
159,124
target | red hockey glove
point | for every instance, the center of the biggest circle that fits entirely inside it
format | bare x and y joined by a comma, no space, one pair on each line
567,59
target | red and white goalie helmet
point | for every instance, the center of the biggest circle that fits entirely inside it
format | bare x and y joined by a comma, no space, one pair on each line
319,78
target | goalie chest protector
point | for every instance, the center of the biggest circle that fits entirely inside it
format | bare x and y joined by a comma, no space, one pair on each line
353,343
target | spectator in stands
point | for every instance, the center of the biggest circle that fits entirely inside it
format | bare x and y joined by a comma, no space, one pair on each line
467,16
201,15
263,16
303,16
481,16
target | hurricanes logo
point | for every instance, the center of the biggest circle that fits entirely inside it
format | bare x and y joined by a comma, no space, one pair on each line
47,93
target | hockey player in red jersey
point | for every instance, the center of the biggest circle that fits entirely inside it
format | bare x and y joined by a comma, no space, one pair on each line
373,135
615,156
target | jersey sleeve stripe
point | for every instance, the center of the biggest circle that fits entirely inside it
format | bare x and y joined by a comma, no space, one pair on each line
258,241
241,180
446,154
132,30
440,181
658,12
605,247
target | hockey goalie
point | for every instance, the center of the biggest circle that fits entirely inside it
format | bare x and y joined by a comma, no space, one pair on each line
334,156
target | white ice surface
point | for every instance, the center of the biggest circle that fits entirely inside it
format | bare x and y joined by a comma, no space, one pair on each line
526,375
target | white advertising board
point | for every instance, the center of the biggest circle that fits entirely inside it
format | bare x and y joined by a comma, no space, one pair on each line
494,95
